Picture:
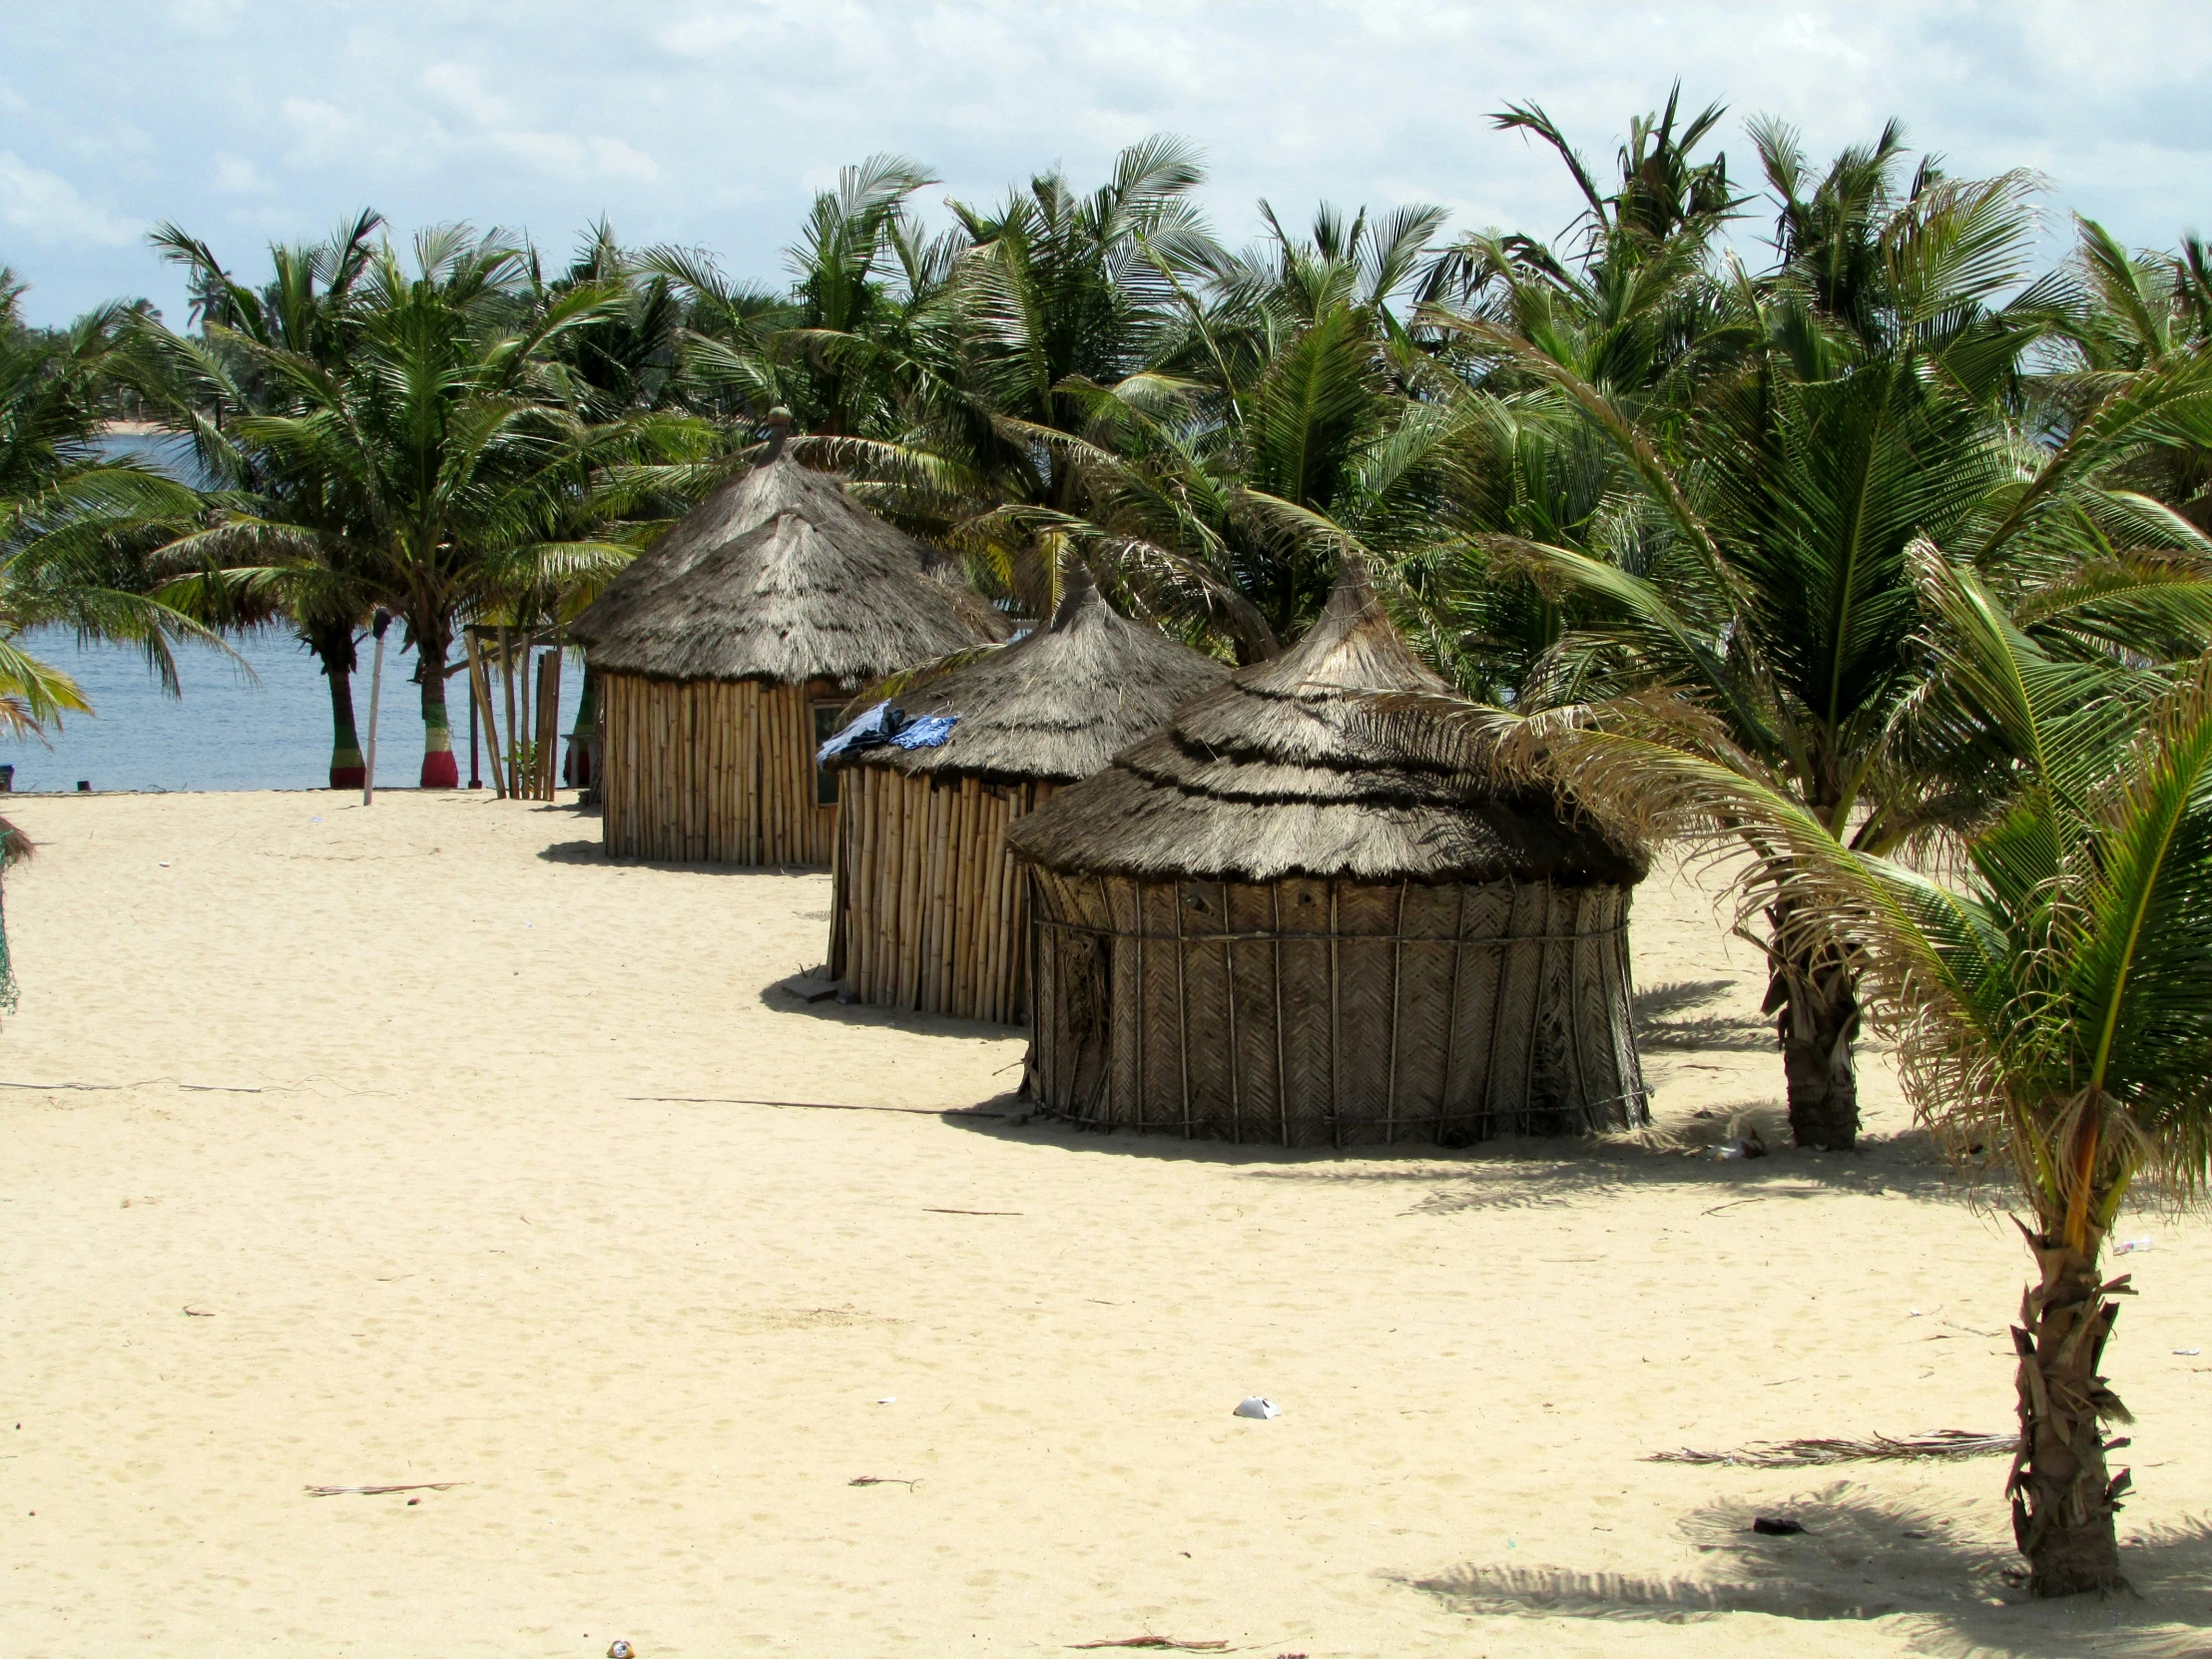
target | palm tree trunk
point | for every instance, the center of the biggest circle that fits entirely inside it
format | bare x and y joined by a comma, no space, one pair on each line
440,769
2062,1499
333,647
1814,996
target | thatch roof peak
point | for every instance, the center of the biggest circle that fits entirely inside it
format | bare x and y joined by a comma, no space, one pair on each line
1058,704
1272,776
780,575
1353,645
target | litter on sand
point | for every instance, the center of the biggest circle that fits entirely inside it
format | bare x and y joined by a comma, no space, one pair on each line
378,1491
889,1399
2189,1352
2131,1247
1251,1405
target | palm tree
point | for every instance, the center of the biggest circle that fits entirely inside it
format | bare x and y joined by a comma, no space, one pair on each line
1773,526
2049,1000
833,348
74,520
282,550
443,448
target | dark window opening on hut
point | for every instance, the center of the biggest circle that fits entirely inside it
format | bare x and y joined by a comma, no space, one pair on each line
825,728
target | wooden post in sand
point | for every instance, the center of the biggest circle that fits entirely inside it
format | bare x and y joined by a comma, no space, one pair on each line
376,697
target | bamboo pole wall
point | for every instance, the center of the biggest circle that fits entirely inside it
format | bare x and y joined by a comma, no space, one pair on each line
930,911
1333,1014
711,772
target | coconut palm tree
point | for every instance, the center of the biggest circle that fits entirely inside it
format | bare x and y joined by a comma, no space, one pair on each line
442,447
282,550
2051,1000
75,519
1774,524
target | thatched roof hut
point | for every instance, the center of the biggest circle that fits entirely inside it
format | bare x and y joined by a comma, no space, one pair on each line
930,911
723,653
1260,924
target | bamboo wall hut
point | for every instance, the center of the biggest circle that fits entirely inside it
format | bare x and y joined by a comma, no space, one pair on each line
929,910
1260,926
722,658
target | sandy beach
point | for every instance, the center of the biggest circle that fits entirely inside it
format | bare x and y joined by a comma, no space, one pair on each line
418,1146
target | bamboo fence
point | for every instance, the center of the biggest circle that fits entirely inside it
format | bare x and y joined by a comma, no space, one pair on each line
1330,1013
713,770
930,911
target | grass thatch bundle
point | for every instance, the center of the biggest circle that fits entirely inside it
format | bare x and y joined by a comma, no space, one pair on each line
1259,923
930,911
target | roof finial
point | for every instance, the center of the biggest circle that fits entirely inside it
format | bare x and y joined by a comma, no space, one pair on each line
778,428
1077,589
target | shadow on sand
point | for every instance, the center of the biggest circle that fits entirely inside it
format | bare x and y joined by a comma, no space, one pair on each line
1865,1556
594,854
1657,1010
1525,1173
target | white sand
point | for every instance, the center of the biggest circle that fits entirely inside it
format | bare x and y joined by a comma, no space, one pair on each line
392,1099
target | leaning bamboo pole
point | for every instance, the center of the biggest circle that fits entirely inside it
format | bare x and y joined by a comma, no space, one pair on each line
479,691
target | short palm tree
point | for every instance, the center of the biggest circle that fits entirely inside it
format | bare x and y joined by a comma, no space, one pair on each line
2052,1000
2049,990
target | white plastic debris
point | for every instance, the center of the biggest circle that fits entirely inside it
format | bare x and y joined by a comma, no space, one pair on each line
2130,1246
2189,1352
1251,1405
1913,1314
889,1399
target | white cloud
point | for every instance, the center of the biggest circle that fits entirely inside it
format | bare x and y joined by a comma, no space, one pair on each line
462,87
46,207
235,175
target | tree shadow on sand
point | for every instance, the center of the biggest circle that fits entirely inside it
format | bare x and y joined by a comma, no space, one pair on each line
1863,1556
1657,1012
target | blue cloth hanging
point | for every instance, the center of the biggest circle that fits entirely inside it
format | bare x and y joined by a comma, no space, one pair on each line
872,730
928,731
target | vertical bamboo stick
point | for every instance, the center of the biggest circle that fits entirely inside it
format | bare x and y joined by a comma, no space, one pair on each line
962,851
861,780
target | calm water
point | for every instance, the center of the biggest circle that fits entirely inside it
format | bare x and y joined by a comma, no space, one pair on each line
229,730
262,726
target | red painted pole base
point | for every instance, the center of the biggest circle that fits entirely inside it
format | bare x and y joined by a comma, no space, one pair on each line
441,771
348,777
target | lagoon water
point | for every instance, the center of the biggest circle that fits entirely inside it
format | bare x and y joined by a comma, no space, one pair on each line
263,725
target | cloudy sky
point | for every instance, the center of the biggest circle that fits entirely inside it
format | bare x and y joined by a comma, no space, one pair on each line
709,122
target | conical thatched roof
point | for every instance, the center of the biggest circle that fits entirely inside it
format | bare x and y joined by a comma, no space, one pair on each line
1059,703
1265,778
780,575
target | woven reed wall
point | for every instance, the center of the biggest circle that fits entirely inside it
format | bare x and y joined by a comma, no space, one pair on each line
930,912
1333,1014
711,770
